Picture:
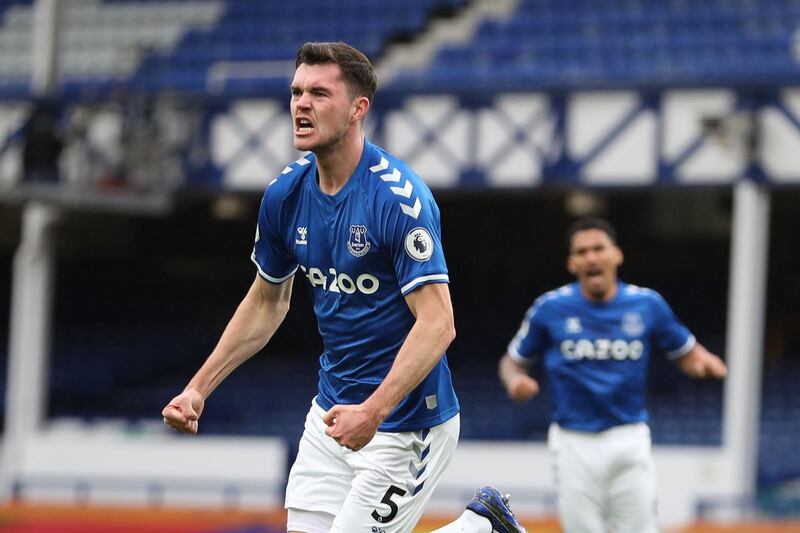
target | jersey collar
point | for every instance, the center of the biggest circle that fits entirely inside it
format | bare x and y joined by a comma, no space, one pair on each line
366,155
620,287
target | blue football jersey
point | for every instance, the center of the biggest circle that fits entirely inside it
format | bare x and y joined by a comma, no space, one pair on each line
596,354
362,250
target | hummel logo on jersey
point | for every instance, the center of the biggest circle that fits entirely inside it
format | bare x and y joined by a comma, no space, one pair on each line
573,325
357,242
601,349
302,233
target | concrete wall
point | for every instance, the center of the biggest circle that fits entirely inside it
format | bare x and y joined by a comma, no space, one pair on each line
108,464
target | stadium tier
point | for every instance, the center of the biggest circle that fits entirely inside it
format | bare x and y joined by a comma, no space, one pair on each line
550,43
184,45
193,93
203,45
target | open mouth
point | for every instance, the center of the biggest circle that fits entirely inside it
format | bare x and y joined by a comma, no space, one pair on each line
303,125
594,273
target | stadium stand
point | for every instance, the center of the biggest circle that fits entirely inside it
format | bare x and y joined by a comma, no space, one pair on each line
15,49
177,45
547,43
240,36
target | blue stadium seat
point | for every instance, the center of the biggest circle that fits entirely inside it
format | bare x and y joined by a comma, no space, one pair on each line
625,42
543,43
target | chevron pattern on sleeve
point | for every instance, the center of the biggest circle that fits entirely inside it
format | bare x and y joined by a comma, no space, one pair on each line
403,189
300,162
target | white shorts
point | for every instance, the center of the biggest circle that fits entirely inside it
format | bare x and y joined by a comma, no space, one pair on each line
382,487
605,481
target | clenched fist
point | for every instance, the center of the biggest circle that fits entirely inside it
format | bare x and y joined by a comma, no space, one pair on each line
183,411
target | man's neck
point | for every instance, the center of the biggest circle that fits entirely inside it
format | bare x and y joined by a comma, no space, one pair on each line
337,163
601,298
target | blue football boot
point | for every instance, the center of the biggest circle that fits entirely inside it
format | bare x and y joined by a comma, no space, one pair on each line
488,502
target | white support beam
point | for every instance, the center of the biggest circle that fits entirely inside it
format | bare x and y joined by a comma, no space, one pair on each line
745,333
45,40
32,285
31,299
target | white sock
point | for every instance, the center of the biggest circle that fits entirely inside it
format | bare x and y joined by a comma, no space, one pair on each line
468,522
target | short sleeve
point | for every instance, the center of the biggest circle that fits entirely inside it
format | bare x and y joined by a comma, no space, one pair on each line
272,258
669,335
411,230
532,336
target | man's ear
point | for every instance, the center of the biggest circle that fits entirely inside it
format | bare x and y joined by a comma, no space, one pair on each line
360,108
570,266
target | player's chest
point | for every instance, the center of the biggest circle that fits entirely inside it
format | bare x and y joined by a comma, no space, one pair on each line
342,237
580,335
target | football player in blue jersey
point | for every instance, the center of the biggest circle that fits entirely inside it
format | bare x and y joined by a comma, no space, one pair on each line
364,230
595,337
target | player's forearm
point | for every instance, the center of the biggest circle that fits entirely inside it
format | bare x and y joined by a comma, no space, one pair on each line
508,370
423,348
700,363
253,324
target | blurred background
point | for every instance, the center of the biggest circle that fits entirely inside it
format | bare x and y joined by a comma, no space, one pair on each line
136,137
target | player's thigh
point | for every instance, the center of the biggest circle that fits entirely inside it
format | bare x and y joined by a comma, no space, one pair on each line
396,474
632,489
299,521
320,477
578,472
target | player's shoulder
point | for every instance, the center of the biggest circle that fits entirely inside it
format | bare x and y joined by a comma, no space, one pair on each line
555,298
290,178
382,163
635,292
393,183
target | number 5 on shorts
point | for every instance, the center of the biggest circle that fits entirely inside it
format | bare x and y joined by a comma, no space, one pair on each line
387,499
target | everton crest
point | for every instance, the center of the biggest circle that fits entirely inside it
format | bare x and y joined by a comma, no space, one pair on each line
632,324
357,241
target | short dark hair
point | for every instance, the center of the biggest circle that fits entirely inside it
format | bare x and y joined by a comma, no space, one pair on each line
586,223
357,70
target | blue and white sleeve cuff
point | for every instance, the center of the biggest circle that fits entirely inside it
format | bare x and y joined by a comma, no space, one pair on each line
683,350
269,278
422,280
515,356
